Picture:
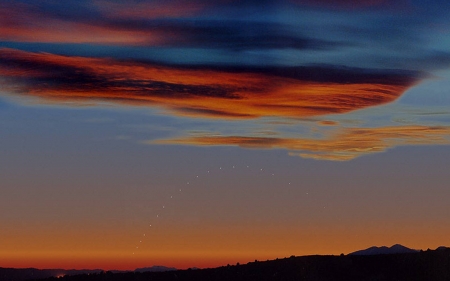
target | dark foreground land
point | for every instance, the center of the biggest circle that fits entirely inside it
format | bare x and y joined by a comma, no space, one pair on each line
421,266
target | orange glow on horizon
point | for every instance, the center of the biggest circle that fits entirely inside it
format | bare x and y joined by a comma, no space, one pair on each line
208,244
316,241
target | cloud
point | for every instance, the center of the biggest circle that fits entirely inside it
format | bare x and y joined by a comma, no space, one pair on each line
230,31
233,35
342,145
145,23
328,123
351,4
150,9
202,91
100,22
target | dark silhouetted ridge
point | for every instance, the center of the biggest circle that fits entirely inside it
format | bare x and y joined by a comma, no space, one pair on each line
433,265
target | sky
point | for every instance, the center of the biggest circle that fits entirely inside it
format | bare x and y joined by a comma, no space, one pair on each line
204,133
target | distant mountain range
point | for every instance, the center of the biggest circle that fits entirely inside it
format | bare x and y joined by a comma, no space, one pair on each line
156,268
395,249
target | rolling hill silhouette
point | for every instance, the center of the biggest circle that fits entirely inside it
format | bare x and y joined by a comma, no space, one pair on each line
433,265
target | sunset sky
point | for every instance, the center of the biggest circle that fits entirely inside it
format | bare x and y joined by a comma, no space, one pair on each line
194,133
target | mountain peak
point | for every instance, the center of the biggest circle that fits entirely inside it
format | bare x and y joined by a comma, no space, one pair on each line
399,247
394,249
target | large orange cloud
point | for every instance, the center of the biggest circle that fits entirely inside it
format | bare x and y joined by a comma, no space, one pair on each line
346,144
201,91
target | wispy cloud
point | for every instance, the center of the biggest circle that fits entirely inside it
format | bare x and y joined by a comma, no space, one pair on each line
146,24
220,92
341,145
347,4
22,22
150,9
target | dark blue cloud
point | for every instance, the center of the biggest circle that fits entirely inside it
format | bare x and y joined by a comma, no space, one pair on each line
288,32
229,35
